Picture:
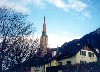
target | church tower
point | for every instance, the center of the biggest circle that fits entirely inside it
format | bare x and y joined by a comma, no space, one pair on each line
44,40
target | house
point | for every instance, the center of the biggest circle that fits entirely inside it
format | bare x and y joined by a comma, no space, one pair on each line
82,55
85,55
47,60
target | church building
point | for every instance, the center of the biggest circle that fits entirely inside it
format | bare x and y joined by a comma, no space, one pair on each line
43,40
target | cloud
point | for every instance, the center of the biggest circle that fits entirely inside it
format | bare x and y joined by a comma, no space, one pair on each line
39,3
66,33
76,5
56,40
14,5
58,3
72,5
86,14
22,5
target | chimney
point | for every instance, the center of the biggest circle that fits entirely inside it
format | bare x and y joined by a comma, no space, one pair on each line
54,51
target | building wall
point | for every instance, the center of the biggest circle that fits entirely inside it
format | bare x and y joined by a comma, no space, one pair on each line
80,58
46,65
43,45
86,58
38,69
72,59
52,63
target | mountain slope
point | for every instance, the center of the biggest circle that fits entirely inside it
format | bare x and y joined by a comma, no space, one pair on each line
92,38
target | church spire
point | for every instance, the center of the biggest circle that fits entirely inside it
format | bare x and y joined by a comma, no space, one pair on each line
44,19
44,26
43,40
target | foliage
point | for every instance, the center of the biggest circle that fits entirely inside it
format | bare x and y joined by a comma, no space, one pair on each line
87,67
14,30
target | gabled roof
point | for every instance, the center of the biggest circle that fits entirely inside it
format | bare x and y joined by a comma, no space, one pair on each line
64,53
70,52
43,60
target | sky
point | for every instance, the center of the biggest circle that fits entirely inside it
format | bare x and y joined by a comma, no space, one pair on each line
65,19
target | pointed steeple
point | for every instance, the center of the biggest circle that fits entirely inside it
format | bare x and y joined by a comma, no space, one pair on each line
44,19
44,26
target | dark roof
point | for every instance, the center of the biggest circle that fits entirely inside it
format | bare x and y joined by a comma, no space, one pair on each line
43,60
54,49
66,52
71,51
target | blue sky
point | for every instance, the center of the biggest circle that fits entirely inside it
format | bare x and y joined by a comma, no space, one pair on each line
65,19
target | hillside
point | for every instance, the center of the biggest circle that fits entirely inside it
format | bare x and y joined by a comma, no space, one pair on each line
73,46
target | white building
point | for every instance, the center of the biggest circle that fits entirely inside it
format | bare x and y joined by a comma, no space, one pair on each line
82,55
85,55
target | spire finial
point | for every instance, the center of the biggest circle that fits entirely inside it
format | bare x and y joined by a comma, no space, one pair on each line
44,19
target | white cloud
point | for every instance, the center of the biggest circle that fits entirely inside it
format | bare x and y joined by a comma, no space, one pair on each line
87,14
58,3
15,5
76,5
39,3
55,40
66,33
22,5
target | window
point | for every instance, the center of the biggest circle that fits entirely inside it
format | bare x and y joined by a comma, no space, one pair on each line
82,61
60,63
83,53
80,52
89,53
68,62
92,54
36,70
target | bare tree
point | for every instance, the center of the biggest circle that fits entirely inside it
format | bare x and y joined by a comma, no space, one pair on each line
13,28
21,52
